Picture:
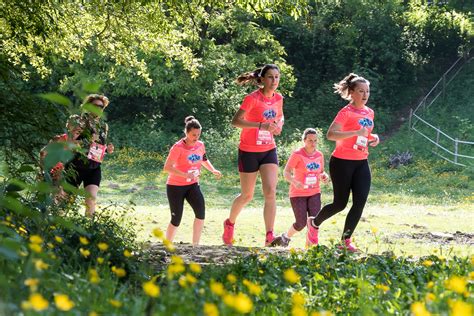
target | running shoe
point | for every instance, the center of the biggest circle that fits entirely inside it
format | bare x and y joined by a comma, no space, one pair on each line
349,246
269,238
312,233
281,241
228,235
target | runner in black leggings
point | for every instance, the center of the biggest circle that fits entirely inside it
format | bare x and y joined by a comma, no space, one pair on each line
348,166
184,167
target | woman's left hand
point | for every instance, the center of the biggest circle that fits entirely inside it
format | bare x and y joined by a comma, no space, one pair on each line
217,173
375,141
110,148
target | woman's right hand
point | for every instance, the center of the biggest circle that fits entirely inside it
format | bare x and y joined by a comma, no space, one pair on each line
297,184
269,126
363,132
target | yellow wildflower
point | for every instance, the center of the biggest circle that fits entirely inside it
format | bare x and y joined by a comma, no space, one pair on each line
298,299
322,313
158,233
63,302
195,267
84,240
169,245
182,281
35,247
430,284
36,301
93,314
243,304
456,284
50,245
382,287
217,288
419,309
177,259
430,297
102,246
58,239
374,230
210,309
253,288
298,311
100,260
291,276
32,284
85,252
119,272
190,278
115,303
127,253
40,265
460,308
36,239
175,269
94,276
151,289
428,263
231,278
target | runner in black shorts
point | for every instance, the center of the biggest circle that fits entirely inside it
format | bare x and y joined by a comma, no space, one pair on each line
261,118
86,167
251,162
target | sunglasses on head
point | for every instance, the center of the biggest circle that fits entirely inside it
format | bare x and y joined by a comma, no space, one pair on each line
99,105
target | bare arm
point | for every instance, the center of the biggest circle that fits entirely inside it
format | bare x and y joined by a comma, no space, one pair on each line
239,121
169,168
208,165
334,132
290,179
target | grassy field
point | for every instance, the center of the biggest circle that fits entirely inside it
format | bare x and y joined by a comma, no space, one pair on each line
394,220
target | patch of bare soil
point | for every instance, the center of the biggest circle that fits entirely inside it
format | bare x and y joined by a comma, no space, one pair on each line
206,254
437,237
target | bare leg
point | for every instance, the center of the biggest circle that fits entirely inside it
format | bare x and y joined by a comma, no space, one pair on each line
247,184
92,191
171,231
197,230
291,232
269,174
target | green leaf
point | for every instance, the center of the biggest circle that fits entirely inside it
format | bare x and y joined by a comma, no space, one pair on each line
26,168
9,248
15,186
89,107
56,98
91,87
56,153
70,225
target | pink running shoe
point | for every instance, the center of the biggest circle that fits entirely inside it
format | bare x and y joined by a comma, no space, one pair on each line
349,246
312,233
228,235
269,238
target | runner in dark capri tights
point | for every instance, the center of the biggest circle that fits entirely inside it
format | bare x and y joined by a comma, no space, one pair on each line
348,166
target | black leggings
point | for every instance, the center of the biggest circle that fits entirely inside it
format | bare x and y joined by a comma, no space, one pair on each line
176,195
347,176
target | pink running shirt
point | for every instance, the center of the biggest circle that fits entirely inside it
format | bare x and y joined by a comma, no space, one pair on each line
307,170
352,119
187,159
259,108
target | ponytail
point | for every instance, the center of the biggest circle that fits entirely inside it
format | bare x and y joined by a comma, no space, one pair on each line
346,85
190,122
255,77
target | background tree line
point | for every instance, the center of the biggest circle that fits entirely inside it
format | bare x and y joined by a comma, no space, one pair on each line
160,61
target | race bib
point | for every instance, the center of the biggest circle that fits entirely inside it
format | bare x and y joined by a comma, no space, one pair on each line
96,152
361,143
310,181
195,172
264,137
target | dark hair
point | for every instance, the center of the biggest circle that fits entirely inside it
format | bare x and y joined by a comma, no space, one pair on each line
309,131
92,97
190,122
255,77
346,85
